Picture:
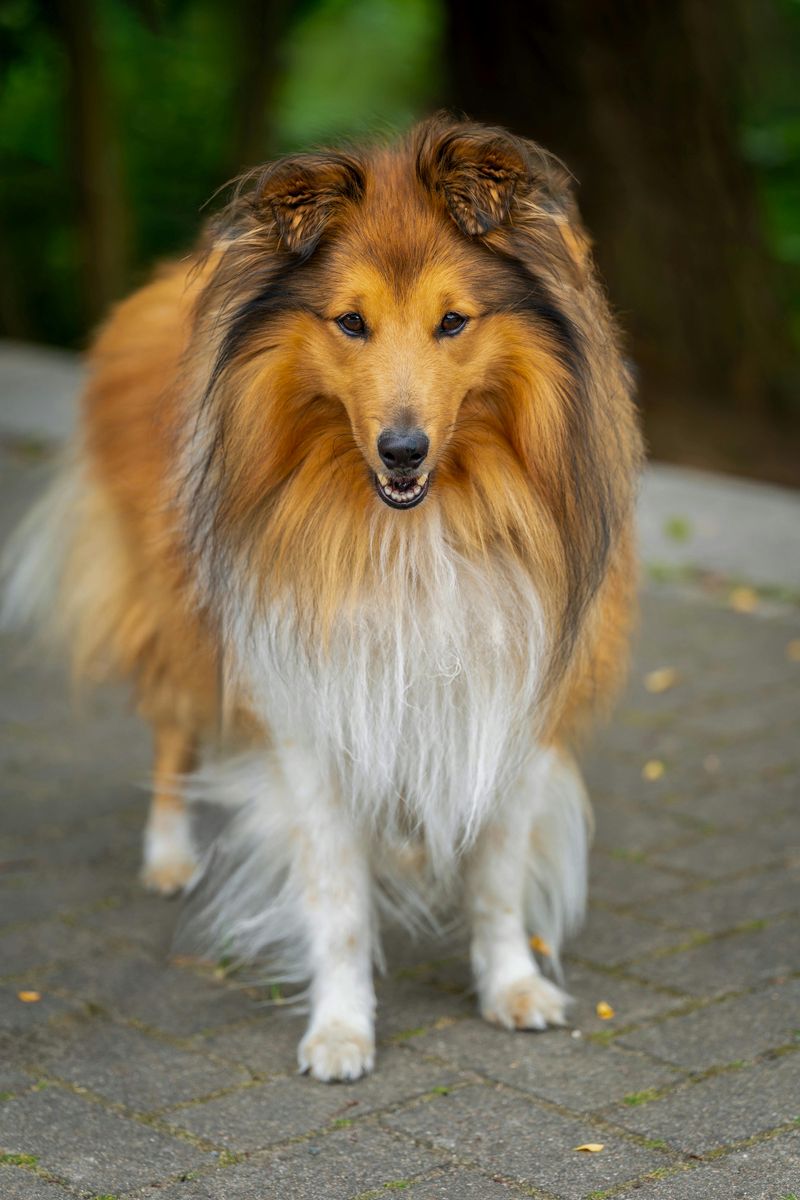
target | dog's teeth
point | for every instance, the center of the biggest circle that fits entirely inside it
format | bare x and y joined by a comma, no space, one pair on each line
421,480
383,480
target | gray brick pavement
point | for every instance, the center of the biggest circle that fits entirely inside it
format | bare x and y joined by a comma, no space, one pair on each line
141,1074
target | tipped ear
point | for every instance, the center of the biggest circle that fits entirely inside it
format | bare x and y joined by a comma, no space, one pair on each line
302,194
477,170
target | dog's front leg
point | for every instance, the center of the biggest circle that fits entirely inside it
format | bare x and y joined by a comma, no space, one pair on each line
511,990
332,876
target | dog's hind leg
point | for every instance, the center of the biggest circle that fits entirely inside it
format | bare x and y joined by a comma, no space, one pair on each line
536,841
170,859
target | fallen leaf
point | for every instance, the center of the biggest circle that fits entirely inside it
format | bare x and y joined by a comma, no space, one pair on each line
540,946
604,1010
29,997
592,1147
743,600
793,650
661,680
653,770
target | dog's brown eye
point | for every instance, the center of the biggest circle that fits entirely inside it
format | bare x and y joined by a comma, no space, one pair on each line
451,323
352,324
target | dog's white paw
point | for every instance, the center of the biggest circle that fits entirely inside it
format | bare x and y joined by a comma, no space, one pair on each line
531,1002
170,859
168,875
336,1051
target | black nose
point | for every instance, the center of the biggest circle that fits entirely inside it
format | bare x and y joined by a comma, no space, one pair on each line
401,448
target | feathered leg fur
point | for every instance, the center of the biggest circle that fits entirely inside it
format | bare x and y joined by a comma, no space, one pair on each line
527,872
332,880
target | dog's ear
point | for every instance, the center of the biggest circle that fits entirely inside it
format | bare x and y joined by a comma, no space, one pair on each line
303,193
477,170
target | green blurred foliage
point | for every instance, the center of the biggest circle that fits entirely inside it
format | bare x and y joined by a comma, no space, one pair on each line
342,67
770,136
354,66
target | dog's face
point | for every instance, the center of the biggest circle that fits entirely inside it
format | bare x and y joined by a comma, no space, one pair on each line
394,299
402,354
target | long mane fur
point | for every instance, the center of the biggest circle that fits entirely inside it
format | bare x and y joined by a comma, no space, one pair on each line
423,655
426,658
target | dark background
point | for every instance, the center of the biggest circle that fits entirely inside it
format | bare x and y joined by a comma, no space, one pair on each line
680,120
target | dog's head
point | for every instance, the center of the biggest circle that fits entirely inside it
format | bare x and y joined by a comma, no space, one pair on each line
410,330
394,283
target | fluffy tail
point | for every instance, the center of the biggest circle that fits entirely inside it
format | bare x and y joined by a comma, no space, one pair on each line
558,862
34,561
63,573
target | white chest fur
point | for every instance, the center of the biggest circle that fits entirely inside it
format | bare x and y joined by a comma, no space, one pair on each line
422,703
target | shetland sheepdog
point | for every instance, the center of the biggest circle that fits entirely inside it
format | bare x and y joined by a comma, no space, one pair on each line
351,507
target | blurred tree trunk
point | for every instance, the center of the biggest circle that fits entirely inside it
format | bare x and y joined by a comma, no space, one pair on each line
259,27
640,99
93,154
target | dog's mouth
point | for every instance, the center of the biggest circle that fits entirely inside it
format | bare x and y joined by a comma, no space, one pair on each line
401,491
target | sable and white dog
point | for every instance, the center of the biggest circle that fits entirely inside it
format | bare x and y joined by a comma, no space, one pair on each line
351,506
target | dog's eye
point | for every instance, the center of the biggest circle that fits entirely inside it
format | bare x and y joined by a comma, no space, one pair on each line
452,323
352,324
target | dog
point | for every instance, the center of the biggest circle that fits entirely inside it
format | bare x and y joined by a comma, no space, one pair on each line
351,506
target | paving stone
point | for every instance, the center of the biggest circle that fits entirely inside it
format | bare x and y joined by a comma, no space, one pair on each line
167,997
687,771
11,1079
722,906
730,963
511,1134
740,803
722,653
770,709
107,842
18,1184
566,1070
774,842
624,883
340,1165
89,1147
41,801
17,1017
721,1109
260,1116
462,1185
732,1031
140,918
769,1171
264,1047
630,1001
38,895
45,944
131,1068
635,829
406,1006
450,976
610,938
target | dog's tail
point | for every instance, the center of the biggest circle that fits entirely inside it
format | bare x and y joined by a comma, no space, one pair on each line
63,572
559,850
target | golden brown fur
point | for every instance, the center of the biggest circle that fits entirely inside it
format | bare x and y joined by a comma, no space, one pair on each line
229,425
